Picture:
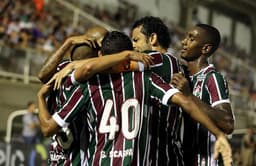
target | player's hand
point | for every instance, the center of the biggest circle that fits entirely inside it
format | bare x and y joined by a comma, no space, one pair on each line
65,138
181,83
83,39
58,77
44,90
222,147
146,59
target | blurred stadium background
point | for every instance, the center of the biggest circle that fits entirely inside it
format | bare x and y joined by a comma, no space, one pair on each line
30,30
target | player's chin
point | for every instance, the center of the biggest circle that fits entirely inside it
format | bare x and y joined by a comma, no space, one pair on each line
183,54
137,50
185,57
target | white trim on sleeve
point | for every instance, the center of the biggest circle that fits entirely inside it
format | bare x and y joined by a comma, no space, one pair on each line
168,95
141,66
59,120
73,80
220,102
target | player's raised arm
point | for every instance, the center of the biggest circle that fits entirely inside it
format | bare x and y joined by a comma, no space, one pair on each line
195,108
50,65
84,69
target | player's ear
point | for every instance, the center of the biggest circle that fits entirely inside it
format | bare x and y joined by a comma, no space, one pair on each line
153,39
99,53
207,48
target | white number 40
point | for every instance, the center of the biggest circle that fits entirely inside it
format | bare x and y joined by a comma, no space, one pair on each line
112,127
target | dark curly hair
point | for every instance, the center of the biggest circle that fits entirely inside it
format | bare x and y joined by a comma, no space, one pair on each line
115,42
151,25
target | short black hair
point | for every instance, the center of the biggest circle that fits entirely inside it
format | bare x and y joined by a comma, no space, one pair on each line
212,37
151,25
115,42
82,51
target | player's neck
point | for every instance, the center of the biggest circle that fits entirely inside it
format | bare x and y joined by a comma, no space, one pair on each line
160,49
197,65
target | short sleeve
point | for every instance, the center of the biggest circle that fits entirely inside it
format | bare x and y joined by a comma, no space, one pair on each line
217,88
160,90
74,103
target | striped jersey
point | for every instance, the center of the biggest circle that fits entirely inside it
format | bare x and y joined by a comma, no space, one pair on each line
212,88
165,143
59,156
116,108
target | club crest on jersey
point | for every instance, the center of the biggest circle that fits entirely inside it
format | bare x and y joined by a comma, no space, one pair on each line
198,89
198,85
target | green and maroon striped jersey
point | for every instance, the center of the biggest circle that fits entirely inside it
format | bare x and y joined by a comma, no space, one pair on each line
59,156
165,143
212,88
116,108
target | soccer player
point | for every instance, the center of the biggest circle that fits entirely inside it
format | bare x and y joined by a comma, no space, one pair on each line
115,106
64,147
209,86
151,34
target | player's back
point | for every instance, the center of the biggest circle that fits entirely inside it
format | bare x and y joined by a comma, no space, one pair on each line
118,116
164,138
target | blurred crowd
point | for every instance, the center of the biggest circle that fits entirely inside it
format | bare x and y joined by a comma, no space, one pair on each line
25,27
245,155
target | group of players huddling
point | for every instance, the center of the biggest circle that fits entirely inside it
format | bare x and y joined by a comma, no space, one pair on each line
118,101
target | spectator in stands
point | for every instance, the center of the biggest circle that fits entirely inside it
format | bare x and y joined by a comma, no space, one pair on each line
247,148
50,44
30,124
252,117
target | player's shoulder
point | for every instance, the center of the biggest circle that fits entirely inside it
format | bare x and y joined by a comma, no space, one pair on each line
215,75
151,52
171,56
154,53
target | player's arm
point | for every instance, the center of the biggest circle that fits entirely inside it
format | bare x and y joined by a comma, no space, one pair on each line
133,64
103,63
221,114
84,69
195,108
47,124
223,117
50,65
157,60
64,114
